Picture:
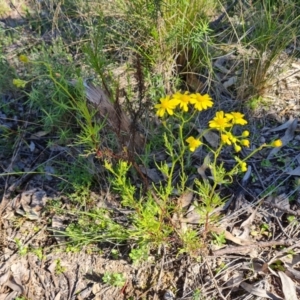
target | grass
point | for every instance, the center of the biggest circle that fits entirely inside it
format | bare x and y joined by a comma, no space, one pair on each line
162,47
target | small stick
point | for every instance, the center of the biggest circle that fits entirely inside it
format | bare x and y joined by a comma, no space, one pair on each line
248,248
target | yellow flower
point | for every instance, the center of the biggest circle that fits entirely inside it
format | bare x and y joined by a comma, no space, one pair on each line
19,83
237,148
23,58
228,138
277,143
225,139
245,133
201,102
232,137
166,105
237,118
245,143
183,100
243,166
193,143
220,122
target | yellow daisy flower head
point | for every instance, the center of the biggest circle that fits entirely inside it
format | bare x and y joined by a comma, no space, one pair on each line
23,58
166,105
193,143
220,121
226,139
237,118
183,100
245,133
201,102
277,143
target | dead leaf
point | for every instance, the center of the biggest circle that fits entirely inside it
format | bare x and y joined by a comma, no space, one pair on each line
250,288
212,138
283,126
192,217
185,199
295,172
219,65
288,286
57,297
291,272
231,81
20,273
201,170
288,136
32,202
230,236
12,296
38,135
4,277
14,286
281,201
115,117
235,280
248,222
85,293
152,174
59,227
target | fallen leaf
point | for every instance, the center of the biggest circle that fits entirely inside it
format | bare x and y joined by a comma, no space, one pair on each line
288,286
38,135
152,174
288,136
14,286
32,202
57,297
58,228
235,280
231,81
291,272
295,172
212,138
283,126
201,170
185,199
250,288
114,115
229,236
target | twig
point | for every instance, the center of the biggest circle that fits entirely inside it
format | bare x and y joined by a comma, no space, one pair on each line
283,251
286,210
248,248
214,281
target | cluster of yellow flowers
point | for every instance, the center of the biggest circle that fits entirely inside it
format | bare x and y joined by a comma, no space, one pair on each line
183,100
169,103
223,122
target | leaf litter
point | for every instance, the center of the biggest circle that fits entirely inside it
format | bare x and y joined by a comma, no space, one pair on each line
61,275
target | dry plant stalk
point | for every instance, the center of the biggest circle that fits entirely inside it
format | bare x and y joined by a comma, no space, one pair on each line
115,117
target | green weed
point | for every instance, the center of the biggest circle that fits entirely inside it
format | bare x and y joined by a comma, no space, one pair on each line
114,279
59,269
